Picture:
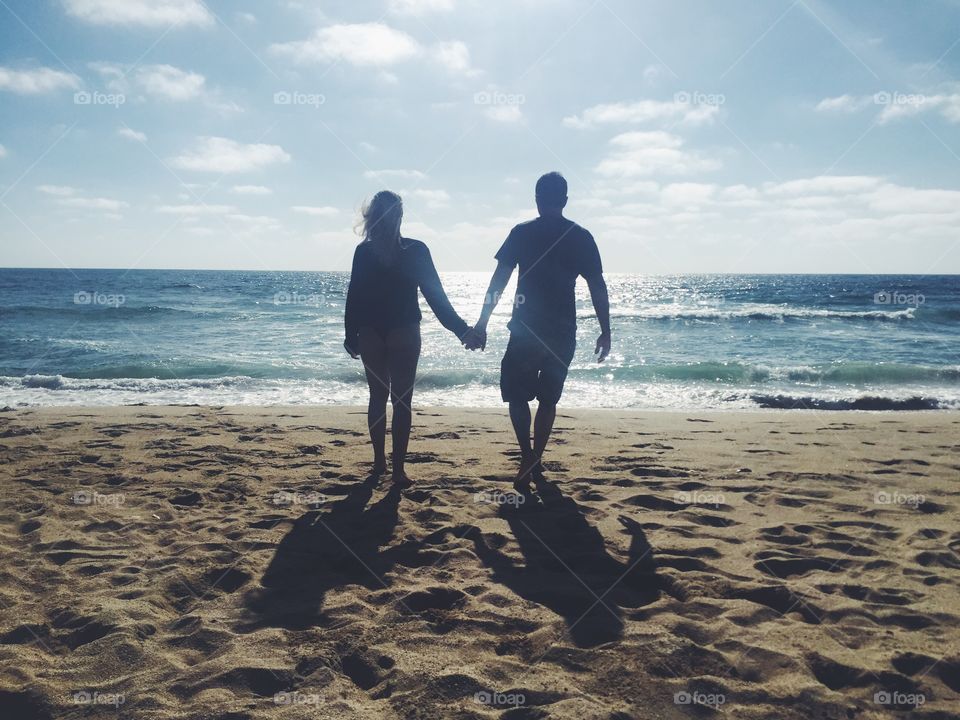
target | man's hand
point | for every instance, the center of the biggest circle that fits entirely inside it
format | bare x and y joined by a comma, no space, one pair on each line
475,338
603,347
354,353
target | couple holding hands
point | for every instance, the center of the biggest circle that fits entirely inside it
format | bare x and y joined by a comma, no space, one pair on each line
382,319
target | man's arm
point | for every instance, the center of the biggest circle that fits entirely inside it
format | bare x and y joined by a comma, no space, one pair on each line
501,276
601,305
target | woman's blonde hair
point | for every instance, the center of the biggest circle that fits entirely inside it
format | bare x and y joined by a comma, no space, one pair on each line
380,223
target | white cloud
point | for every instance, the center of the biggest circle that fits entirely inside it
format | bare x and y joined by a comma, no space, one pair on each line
164,82
3,151
96,203
454,56
842,103
824,184
420,7
247,18
57,190
644,111
251,190
196,209
433,198
222,155
504,113
324,211
150,13
36,81
638,154
170,83
896,105
131,134
399,174
365,44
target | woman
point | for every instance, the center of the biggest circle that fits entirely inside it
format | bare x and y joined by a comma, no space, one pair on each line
383,322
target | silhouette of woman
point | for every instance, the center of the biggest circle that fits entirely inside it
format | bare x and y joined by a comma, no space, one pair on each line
382,322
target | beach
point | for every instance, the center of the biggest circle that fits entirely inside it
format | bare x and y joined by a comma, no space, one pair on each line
235,562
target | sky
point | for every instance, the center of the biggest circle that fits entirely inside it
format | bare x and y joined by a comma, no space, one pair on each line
696,136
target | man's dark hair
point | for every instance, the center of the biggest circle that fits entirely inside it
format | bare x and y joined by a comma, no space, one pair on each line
552,189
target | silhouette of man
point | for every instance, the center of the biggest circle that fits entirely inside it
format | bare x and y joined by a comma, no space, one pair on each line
552,252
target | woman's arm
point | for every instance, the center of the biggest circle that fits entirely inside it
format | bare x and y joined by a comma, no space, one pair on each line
432,289
350,320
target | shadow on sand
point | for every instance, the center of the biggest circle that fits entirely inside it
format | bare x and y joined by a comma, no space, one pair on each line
328,549
568,569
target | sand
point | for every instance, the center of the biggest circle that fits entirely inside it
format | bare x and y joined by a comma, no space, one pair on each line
190,562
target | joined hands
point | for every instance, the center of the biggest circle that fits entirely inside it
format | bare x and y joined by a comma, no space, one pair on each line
475,338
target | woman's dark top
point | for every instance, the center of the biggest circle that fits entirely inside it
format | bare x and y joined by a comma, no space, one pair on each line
384,297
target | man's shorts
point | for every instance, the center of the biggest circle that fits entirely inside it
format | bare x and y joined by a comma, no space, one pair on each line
532,368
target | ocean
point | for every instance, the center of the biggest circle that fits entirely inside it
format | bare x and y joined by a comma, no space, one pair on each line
839,342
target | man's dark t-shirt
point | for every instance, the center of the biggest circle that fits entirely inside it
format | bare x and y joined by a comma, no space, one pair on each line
551,252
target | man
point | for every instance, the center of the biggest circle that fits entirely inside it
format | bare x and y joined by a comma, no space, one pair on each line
552,252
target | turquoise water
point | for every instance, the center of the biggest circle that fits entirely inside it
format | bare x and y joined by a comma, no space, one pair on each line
681,342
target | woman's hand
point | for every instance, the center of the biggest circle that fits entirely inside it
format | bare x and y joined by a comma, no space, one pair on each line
353,352
475,339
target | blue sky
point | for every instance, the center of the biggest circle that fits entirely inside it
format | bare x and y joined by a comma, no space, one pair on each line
697,136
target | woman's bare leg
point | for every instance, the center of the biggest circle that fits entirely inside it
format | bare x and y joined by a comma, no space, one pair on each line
403,354
373,352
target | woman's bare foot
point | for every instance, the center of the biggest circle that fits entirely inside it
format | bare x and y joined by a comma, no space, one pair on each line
401,480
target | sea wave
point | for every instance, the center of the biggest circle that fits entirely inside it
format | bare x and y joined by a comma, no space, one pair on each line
776,313
471,390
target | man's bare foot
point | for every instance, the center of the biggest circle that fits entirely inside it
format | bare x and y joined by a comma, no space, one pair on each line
379,468
526,475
